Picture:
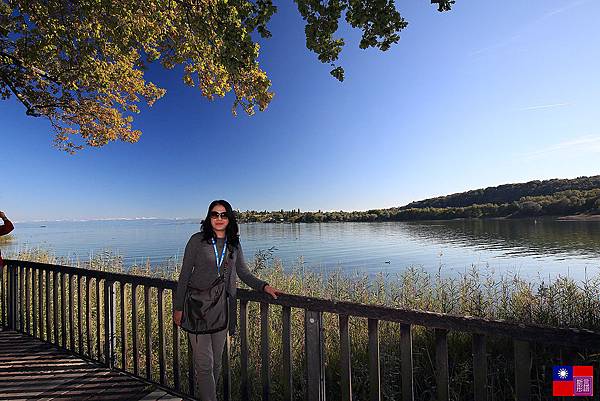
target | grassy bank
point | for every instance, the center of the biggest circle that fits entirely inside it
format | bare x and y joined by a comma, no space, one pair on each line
562,302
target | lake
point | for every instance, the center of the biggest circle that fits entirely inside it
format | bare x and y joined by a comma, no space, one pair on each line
532,247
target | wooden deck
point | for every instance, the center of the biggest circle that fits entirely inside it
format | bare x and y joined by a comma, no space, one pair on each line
33,370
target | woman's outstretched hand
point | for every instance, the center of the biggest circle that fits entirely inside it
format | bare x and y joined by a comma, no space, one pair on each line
272,291
177,317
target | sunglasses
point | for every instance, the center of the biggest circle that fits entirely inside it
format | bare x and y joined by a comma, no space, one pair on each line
216,215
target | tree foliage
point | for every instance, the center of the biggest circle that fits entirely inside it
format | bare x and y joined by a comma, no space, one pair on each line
81,63
509,192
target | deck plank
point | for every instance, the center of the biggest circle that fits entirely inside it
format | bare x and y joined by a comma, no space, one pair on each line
32,369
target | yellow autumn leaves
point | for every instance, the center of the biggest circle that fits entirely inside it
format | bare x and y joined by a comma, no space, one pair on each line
81,64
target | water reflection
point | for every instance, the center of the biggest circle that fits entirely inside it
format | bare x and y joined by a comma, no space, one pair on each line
530,247
539,237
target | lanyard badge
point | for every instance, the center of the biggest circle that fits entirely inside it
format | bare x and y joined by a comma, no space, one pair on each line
219,259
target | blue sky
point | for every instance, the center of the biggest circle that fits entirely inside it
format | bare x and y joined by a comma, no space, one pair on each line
489,93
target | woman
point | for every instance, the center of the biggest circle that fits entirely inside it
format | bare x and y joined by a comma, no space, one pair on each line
4,229
204,258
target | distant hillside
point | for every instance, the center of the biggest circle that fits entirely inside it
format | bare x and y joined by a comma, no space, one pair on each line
508,193
559,198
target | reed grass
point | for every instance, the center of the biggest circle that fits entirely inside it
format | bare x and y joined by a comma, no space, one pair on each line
560,302
6,239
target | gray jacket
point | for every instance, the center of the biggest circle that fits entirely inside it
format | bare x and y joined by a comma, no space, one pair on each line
199,271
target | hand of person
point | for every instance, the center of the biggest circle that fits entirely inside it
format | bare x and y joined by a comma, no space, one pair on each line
272,291
177,317
2,216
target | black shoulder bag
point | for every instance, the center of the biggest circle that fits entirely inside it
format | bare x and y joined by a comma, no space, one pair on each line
206,311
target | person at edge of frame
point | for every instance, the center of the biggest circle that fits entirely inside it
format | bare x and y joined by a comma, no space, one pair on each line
219,230
4,229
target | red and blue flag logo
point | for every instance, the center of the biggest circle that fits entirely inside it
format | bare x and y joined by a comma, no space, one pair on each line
573,381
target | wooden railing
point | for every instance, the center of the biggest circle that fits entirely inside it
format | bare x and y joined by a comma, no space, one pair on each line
49,301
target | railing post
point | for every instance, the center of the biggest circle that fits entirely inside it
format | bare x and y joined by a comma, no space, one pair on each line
479,367
15,296
124,331
148,327
264,351
345,359
98,321
20,301
162,346
406,362
441,365
522,370
2,298
55,306
244,387
6,297
286,340
374,365
176,368
109,323
134,329
315,361
11,297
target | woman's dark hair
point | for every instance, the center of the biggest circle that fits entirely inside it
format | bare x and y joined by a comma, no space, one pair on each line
232,230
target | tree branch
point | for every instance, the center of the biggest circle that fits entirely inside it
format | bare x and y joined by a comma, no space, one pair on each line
30,109
19,63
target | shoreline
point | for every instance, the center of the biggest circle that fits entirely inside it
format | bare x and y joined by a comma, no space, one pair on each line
574,217
580,217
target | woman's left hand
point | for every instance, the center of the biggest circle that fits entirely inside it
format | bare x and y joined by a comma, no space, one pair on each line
272,291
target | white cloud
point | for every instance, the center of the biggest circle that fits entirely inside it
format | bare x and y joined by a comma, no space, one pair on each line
586,144
510,42
544,106
496,46
562,9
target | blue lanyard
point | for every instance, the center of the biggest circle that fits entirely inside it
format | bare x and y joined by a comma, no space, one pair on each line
219,259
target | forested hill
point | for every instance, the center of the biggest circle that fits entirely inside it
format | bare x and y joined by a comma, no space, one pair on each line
508,193
558,197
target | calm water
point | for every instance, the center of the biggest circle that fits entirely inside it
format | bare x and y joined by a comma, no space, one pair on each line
530,247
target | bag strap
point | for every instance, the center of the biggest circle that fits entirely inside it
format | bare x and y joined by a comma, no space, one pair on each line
225,264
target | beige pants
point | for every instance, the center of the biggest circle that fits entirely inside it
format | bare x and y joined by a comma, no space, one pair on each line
207,352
